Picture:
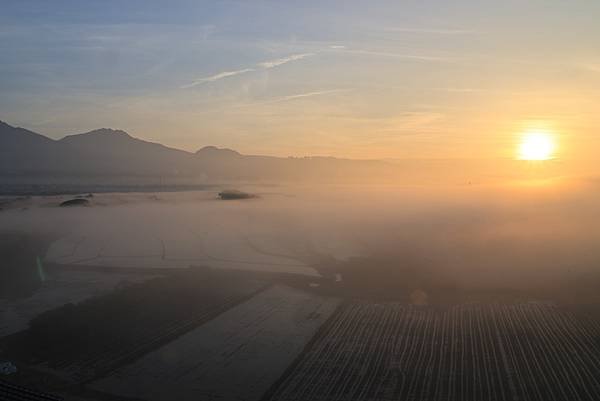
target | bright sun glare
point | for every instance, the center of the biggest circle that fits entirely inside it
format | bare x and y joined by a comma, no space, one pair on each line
536,146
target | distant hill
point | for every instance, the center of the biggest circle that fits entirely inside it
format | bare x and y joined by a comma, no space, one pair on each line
23,151
111,155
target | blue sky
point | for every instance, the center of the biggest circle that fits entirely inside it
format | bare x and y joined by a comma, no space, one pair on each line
357,79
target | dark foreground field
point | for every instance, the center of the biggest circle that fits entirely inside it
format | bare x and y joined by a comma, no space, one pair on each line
371,351
79,342
282,338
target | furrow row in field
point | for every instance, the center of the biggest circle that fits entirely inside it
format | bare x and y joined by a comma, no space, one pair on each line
477,352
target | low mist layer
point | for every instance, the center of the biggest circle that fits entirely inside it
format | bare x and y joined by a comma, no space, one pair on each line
382,239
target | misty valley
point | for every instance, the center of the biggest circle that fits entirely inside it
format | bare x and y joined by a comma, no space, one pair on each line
425,292
262,200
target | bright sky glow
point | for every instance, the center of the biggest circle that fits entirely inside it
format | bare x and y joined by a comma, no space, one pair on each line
387,79
537,146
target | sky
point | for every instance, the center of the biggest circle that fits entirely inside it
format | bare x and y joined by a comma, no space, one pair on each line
377,79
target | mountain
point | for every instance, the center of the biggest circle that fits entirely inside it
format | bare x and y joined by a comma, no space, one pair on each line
214,152
23,151
114,152
13,136
99,153
113,155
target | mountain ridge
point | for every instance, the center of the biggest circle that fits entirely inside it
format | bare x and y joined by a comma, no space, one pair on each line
113,153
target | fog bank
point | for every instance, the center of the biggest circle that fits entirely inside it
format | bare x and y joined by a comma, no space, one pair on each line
513,236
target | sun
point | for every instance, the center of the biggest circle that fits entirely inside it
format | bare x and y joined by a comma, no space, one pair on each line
537,145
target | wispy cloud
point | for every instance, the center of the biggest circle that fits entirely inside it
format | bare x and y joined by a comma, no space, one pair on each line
262,65
418,57
434,31
291,97
284,60
216,77
307,94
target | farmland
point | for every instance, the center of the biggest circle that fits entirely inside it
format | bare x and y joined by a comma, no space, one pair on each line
82,341
62,286
237,355
371,351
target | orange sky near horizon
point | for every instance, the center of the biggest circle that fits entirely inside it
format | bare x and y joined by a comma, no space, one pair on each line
394,80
